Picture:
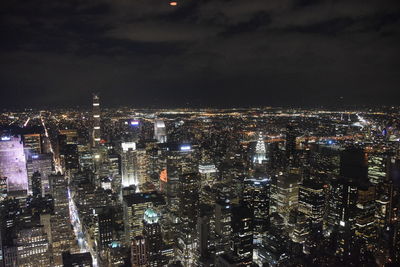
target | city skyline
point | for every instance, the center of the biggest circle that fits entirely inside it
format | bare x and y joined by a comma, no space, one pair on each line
200,133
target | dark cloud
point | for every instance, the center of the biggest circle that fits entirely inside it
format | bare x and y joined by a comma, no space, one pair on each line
204,52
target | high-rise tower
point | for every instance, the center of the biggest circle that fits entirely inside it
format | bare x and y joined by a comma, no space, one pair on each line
261,152
160,131
96,133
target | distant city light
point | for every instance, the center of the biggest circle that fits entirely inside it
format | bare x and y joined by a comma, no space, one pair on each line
128,145
173,3
134,123
186,147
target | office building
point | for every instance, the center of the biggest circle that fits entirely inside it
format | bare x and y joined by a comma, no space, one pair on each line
160,131
13,163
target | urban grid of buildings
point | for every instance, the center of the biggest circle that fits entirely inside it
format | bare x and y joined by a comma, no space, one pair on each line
200,187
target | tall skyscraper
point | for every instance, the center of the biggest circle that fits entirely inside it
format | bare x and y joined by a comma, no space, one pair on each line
160,131
290,145
285,193
13,163
62,234
152,234
189,185
134,206
41,163
96,132
256,195
242,227
312,200
260,152
129,164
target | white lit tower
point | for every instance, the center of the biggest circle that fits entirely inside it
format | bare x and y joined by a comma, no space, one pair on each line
96,133
261,151
160,131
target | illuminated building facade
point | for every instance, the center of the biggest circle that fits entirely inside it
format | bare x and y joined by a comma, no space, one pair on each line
242,228
134,207
260,152
96,131
104,218
129,165
312,201
139,252
13,163
32,143
256,195
152,234
3,188
208,173
36,184
42,163
160,131
70,136
62,235
285,193
189,185
33,247
223,227
365,227
376,168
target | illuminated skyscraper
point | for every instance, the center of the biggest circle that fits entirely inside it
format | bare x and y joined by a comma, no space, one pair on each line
152,234
62,235
139,254
70,136
189,185
96,133
13,163
261,152
33,247
103,221
160,131
32,143
242,227
312,200
376,168
134,207
256,195
41,163
285,193
129,164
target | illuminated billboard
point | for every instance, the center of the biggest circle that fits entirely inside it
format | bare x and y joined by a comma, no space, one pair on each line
135,123
186,147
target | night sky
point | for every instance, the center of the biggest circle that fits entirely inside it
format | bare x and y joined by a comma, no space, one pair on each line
146,53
